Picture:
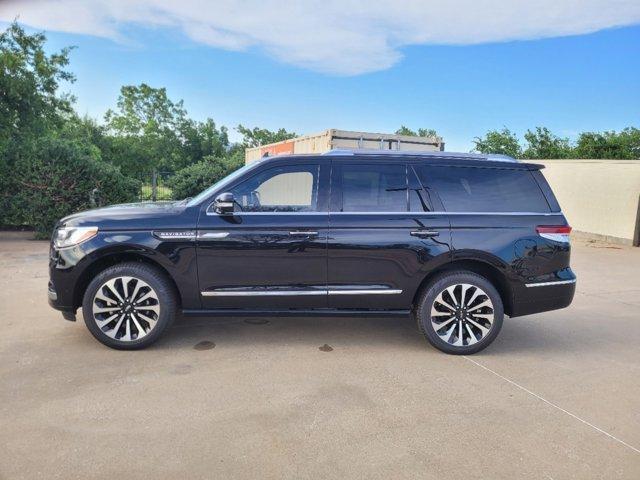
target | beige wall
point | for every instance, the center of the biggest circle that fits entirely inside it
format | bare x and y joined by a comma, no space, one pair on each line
597,196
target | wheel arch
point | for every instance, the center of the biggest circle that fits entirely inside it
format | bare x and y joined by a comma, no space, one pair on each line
492,271
114,258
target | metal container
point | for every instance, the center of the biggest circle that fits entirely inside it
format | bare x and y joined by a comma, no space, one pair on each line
343,139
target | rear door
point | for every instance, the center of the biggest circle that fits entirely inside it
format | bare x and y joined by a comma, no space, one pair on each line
385,235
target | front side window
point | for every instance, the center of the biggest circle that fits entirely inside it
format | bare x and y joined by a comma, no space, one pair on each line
291,188
477,189
373,188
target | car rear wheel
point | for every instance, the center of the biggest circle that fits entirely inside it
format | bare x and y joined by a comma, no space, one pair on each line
460,312
129,306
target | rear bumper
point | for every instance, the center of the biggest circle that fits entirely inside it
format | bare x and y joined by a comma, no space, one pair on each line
539,297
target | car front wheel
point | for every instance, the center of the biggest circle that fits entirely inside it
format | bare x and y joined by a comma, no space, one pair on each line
128,306
460,312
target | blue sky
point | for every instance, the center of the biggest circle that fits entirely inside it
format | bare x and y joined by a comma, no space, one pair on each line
588,81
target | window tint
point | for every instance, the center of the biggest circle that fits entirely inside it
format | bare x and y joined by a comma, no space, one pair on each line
473,189
373,188
280,189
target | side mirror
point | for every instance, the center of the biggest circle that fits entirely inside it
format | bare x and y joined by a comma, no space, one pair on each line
224,203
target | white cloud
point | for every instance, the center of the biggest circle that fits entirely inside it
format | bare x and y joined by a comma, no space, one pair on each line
346,37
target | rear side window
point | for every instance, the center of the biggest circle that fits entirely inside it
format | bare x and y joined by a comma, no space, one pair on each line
476,189
373,188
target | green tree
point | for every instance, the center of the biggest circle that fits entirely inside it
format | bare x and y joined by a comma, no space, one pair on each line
30,105
29,81
255,137
503,142
422,132
202,139
541,143
147,127
193,179
623,145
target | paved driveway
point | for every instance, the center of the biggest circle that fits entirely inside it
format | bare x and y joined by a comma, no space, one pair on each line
556,396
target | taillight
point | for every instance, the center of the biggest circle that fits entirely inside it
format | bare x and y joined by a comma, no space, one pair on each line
558,233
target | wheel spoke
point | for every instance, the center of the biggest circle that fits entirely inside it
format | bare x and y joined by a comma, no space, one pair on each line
153,308
486,316
111,286
472,336
452,291
125,287
447,336
139,284
486,303
149,294
104,298
114,331
482,328
475,295
445,304
460,341
106,321
465,287
104,309
141,331
439,326
148,319
127,330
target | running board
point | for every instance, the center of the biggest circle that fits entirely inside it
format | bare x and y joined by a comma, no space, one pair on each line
319,312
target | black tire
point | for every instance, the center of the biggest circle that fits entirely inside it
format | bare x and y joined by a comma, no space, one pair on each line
127,337
463,320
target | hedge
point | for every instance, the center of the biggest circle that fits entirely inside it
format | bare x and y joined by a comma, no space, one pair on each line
60,177
191,180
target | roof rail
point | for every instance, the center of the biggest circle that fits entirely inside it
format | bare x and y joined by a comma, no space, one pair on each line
436,154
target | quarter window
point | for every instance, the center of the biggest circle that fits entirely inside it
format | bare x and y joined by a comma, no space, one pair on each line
477,189
373,188
292,188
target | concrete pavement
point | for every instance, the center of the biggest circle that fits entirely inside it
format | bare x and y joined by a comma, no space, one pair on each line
557,396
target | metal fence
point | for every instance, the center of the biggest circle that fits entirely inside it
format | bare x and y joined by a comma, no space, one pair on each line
154,187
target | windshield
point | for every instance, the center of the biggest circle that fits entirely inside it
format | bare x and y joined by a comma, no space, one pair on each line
220,183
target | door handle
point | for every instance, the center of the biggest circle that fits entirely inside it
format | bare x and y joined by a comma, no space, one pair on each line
212,235
425,233
302,233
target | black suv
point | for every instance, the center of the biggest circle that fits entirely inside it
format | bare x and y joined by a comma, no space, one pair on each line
455,240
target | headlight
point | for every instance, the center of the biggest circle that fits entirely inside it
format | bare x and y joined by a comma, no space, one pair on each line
70,236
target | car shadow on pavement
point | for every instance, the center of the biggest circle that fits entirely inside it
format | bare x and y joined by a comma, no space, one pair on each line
272,331
517,335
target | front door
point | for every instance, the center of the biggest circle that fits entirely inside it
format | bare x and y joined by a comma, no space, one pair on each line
384,236
271,253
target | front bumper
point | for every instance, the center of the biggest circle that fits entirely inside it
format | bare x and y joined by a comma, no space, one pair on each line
68,313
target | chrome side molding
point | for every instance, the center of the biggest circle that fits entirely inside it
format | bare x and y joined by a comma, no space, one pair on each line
550,284
264,293
378,291
282,293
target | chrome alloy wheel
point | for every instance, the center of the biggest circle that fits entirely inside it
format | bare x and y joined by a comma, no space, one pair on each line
462,314
126,308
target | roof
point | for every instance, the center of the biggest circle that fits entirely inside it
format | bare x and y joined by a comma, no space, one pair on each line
437,158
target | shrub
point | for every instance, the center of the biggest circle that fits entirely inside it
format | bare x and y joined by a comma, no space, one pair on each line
193,179
59,177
